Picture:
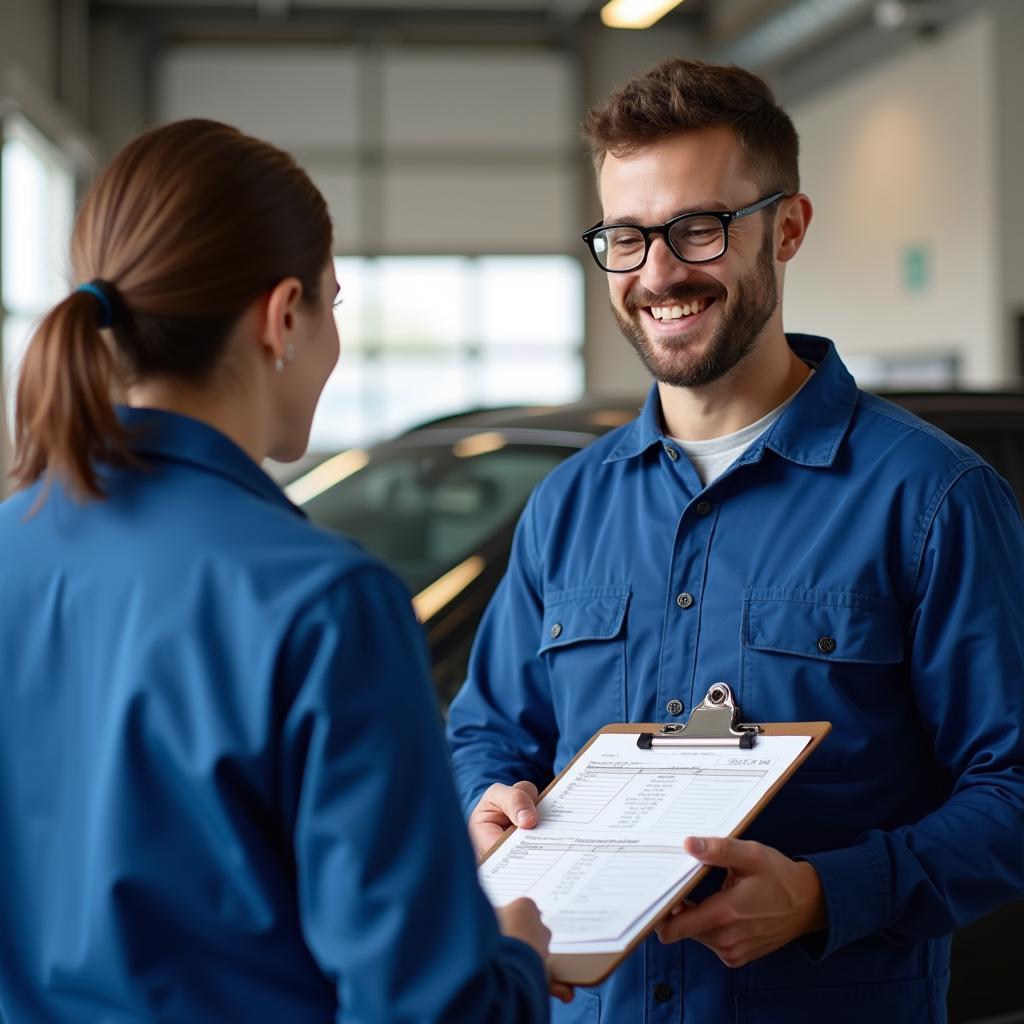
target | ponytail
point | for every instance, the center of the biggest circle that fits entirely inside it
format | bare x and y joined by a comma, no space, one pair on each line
64,414
194,221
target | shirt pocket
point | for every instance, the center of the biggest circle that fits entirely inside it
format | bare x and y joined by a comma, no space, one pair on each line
827,625
825,655
583,644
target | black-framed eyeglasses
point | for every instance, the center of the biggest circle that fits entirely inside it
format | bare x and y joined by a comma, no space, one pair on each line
692,237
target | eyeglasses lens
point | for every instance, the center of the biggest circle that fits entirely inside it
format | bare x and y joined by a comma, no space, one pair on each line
695,239
619,248
698,239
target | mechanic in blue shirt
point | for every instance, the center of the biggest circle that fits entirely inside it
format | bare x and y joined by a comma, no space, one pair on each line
214,712
764,523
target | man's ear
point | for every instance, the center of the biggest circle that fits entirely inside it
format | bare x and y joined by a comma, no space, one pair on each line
280,317
794,219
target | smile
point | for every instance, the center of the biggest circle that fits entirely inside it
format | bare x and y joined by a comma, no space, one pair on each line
679,316
687,309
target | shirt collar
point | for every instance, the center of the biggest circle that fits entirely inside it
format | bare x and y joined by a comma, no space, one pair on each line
168,436
808,432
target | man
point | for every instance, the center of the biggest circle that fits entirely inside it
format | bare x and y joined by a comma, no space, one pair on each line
765,523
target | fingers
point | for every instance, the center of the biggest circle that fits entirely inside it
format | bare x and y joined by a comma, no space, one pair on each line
499,807
528,788
767,900
518,802
696,922
728,943
740,854
561,991
730,949
681,906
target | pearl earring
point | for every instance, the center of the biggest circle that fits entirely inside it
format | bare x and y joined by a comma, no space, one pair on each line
289,355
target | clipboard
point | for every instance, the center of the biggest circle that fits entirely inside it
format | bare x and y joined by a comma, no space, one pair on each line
715,722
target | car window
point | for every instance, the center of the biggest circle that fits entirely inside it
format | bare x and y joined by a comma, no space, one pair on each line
423,510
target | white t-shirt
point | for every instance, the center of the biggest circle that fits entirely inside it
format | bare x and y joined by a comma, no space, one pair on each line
711,458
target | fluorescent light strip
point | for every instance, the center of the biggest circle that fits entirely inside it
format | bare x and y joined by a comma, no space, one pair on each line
326,475
635,13
429,601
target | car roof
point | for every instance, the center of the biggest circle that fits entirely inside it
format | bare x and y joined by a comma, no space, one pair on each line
595,415
964,414
600,414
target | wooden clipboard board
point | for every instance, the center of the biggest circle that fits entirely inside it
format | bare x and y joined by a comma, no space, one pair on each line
713,723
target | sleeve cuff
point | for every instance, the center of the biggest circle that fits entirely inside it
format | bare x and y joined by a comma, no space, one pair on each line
856,883
518,956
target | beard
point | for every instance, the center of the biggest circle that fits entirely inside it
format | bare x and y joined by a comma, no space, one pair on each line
755,299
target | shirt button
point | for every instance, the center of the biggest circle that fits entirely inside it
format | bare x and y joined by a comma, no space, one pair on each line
826,645
556,631
671,452
662,993
684,600
674,707
703,508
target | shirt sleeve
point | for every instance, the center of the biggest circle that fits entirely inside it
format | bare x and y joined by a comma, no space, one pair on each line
967,673
502,725
388,897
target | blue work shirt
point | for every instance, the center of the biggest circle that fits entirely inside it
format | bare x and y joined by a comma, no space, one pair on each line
224,791
854,565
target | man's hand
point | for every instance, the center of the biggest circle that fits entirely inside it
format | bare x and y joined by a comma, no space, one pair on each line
520,919
499,807
767,900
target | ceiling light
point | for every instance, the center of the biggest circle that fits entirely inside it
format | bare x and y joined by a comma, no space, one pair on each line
635,13
893,15
890,14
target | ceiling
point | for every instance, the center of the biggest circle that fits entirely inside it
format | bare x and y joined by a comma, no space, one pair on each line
802,41
527,10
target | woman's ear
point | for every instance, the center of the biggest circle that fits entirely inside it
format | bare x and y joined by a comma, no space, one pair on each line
793,223
281,318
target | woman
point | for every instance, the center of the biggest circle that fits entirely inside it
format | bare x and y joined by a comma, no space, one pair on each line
223,791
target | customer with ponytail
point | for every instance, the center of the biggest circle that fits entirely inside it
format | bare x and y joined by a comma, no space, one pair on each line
223,790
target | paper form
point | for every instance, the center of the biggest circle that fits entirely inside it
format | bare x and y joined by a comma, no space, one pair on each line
606,856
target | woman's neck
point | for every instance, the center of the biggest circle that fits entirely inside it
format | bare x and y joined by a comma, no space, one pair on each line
240,420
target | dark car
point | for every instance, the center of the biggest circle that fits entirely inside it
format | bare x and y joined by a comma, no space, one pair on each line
440,504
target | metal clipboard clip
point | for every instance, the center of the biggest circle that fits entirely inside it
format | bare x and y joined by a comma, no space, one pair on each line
713,723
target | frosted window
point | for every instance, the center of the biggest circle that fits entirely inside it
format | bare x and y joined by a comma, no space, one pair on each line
426,336
421,302
530,300
35,223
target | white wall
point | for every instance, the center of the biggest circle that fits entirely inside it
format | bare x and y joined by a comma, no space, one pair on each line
432,150
28,35
1009,43
612,57
420,149
905,155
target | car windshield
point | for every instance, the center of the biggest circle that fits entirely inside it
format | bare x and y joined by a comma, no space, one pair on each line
424,509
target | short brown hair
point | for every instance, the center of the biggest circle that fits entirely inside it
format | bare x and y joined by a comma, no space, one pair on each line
189,224
679,95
